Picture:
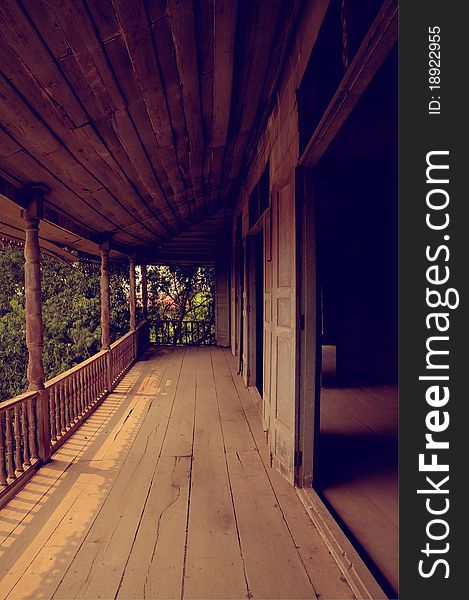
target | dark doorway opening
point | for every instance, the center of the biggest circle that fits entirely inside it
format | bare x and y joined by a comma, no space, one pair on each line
258,248
356,222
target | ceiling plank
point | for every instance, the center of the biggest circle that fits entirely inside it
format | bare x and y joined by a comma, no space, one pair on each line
138,38
71,38
266,23
183,27
225,33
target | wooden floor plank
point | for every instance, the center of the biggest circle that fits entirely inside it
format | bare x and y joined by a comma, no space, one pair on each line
92,433
165,492
98,566
76,500
155,564
214,565
320,566
280,572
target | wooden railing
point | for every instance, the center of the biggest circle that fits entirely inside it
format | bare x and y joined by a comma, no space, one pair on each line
35,424
185,333
18,439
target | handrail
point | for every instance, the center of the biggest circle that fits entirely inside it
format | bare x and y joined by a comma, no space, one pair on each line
190,332
74,369
35,424
122,338
12,401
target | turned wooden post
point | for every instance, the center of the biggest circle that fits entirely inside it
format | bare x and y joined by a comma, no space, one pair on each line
106,311
144,292
34,327
105,298
133,298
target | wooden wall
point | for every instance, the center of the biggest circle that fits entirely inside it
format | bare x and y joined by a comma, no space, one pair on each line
287,382
278,144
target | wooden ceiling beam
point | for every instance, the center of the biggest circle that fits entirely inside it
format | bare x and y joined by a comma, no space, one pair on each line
204,11
45,67
88,71
265,27
183,28
138,115
135,26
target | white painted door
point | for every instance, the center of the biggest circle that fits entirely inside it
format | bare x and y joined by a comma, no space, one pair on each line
283,389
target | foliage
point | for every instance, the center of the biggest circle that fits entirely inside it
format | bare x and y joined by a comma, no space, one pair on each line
71,314
181,294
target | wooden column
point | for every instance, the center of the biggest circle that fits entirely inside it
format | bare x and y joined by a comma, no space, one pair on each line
144,292
34,327
105,298
133,299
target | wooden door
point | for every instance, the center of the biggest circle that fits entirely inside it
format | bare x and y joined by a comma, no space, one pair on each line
266,408
282,435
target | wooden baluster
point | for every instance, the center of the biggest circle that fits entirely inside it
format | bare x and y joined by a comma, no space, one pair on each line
73,386
62,407
95,381
18,449
81,404
82,391
67,403
91,383
32,426
73,400
98,379
110,366
52,405
24,433
70,400
75,397
102,376
85,388
9,440
78,394
71,395
3,473
57,410
88,386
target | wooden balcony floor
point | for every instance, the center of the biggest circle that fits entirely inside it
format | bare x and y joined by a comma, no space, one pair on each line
165,492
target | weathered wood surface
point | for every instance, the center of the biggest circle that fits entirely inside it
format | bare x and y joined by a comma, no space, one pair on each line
135,113
34,425
165,492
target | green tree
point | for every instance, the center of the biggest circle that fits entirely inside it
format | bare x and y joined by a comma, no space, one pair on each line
181,294
71,314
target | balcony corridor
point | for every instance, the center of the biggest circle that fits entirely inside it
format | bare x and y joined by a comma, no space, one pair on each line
165,492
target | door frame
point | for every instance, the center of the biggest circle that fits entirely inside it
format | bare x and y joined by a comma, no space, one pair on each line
251,283
308,330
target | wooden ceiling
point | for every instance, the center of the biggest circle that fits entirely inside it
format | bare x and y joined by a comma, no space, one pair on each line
137,115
